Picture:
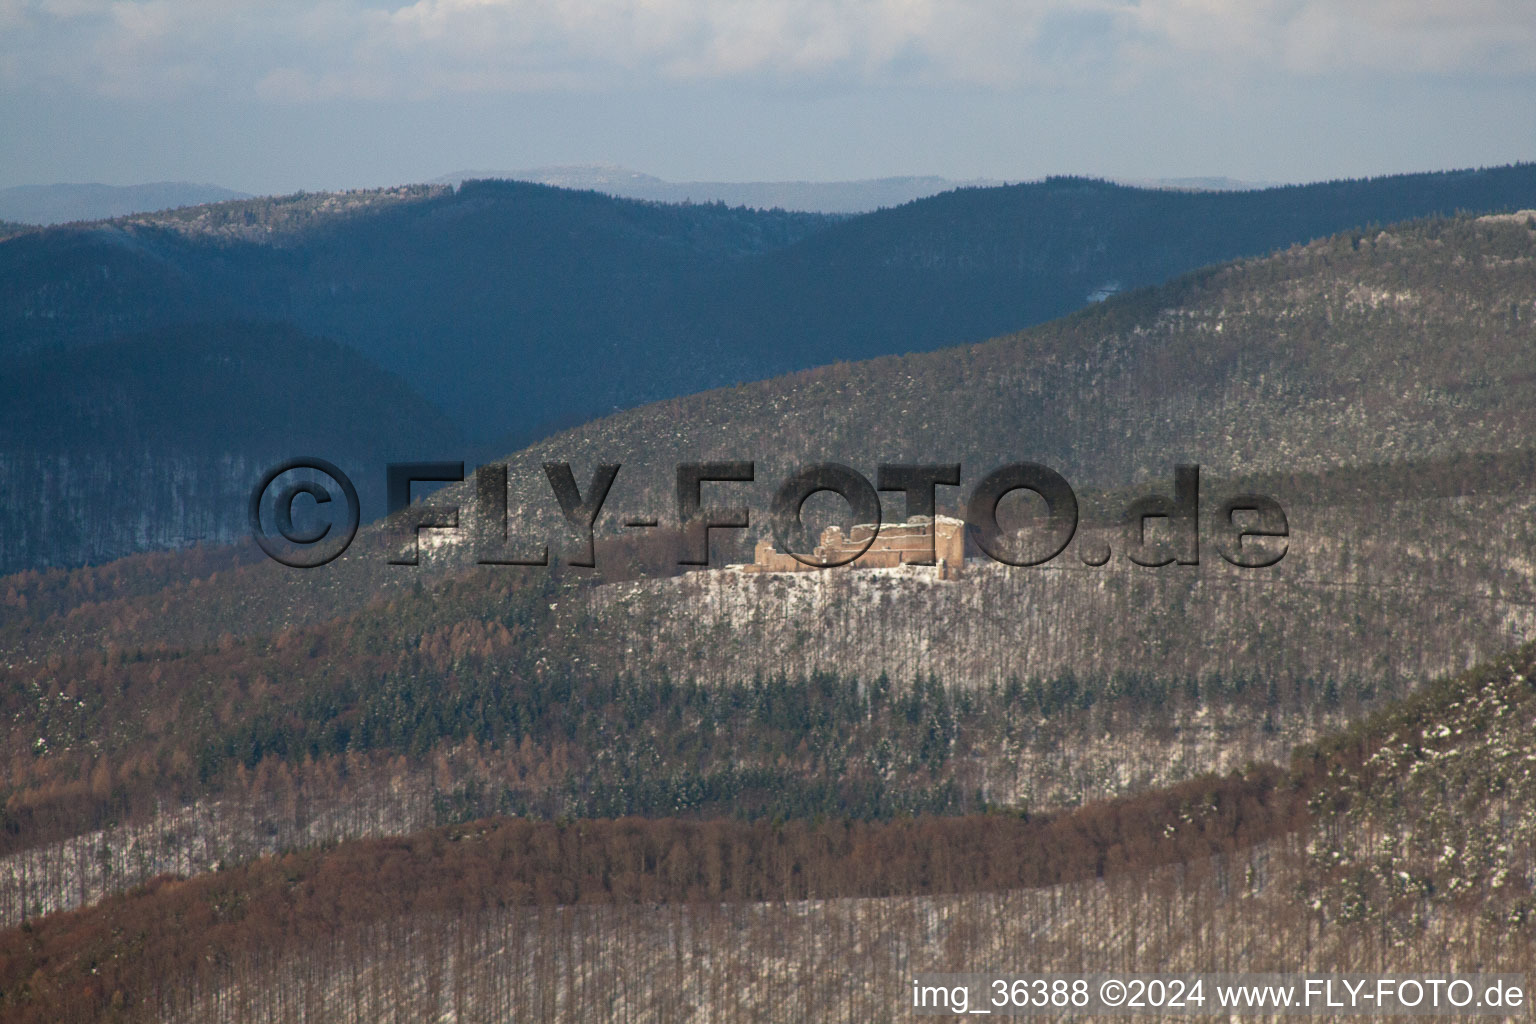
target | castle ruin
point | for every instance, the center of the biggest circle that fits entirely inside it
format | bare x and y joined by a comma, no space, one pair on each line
889,546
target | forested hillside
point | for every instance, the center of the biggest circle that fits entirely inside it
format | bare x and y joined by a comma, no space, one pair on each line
1346,861
514,306
1409,349
517,309
257,707
1406,345
154,440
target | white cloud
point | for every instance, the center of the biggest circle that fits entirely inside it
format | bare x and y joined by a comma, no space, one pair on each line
1328,36
294,50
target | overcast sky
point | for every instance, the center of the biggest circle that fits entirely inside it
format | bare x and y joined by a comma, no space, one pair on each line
276,95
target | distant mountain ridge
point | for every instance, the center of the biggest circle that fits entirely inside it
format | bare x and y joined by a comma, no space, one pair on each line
67,203
607,303
837,197
846,197
519,309
40,205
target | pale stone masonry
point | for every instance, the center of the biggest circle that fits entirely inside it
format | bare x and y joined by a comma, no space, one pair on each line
894,544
